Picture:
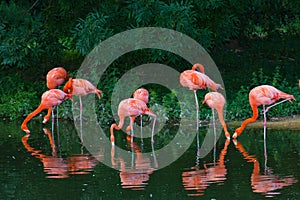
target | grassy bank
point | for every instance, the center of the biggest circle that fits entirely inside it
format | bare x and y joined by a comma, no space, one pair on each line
287,123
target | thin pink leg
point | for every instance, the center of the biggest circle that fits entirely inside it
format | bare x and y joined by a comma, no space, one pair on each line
80,117
197,109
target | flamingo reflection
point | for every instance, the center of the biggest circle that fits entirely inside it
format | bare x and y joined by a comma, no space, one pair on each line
137,175
199,179
58,167
265,183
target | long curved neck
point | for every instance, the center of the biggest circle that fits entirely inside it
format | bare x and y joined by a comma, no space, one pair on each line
249,120
199,66
117,127
221,118
30,116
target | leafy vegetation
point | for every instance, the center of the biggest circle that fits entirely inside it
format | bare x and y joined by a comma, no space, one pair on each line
253,37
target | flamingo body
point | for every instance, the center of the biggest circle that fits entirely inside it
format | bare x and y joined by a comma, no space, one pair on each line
262,95
56,77
81,87
49,99
195,80
130,108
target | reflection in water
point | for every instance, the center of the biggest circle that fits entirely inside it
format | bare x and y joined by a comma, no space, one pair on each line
266,183
136,176
58,167
199,179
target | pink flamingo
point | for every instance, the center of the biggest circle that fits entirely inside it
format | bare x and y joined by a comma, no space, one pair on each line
195,80
131,108
216,101
262,95
55,77
50,99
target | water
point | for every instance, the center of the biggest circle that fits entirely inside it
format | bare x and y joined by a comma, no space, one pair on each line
46,166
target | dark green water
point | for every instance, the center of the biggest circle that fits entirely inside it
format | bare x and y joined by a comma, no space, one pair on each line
32,169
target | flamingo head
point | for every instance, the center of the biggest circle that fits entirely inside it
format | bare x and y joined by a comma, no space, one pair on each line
237,132
68,88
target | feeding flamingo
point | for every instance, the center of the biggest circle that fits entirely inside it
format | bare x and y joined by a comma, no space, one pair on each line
262,95
55,77
216,101
195,80
131,108
50,99
141,94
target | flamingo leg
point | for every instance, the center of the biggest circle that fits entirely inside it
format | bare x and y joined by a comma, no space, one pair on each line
265,110
52,118
141,116
153,126
265,116
152,135
57,125
214,124
80,117
131,127
275,104
265,148
57,116
197,109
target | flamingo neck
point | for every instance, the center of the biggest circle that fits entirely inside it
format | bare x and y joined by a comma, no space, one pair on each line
199,66
249,120
117,127
221,118
30,116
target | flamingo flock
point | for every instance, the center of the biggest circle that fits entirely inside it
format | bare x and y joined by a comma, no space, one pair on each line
137,105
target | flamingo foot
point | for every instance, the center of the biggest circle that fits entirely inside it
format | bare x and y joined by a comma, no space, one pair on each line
234,142
24,128
227,135
45,121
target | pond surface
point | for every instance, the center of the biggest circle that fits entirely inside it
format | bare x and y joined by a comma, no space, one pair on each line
55,165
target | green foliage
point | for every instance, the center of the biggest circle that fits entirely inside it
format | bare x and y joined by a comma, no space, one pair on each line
90,32
20,36
41,35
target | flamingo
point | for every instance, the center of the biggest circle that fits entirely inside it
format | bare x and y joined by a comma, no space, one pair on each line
195,80
50,99
81,87
141,94
55,77
216,101
131,108
262,95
